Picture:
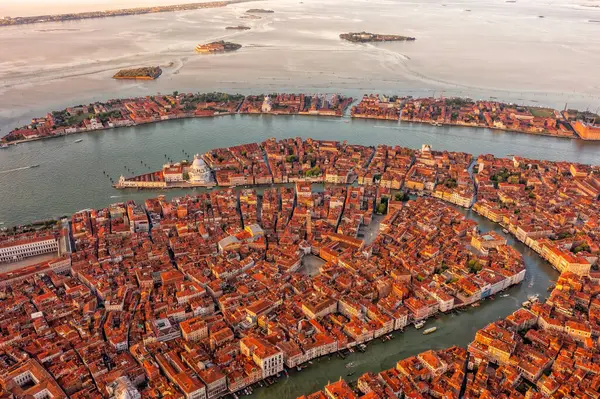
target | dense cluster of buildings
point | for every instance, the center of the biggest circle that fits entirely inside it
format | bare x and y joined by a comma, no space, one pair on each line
442,111
552,207
205,295
443,174
202,295
378,107
292,104
151,109
549,351
483,114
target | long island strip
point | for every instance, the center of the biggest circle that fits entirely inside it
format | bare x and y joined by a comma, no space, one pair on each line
495,115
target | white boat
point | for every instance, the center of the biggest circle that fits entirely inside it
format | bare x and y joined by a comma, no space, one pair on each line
504,295
78,141
4,145
505,231
430,330
420,324
533,298
526,304
350,365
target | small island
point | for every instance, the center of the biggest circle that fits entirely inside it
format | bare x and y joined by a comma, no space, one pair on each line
239,27
366,37
259,11
217,47
145,73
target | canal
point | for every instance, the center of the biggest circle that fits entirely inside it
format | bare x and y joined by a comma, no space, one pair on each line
453,329
76,175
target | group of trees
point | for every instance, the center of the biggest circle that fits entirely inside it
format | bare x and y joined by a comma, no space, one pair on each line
474,265
401,196
312,172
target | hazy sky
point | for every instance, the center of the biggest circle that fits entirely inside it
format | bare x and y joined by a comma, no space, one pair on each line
16,8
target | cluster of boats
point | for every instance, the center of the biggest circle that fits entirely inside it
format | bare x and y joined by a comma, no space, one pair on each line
420,324
531,299
267,382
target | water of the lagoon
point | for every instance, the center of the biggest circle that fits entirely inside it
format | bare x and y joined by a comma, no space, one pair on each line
464,47
497,49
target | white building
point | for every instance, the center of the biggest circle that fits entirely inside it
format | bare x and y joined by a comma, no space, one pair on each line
123,388
268,357
16,250
199,173
267,106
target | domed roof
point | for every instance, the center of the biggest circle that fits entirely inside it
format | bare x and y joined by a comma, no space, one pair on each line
198,162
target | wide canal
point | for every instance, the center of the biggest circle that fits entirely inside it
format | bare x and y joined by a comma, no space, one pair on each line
70,174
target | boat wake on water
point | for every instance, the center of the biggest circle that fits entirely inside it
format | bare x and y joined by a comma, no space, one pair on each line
17,169
386,127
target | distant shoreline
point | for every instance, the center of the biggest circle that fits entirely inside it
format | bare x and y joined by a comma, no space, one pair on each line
14,21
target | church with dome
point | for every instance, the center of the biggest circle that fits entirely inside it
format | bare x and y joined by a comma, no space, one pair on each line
199,173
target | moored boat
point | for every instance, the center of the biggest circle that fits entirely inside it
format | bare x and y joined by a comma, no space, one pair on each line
419,324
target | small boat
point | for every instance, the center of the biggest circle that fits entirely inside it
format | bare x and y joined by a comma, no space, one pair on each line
4,145
475,305
420,324
533,298
504,295
526,304
350,365
78,141
350,374
430,330
34,166
505,231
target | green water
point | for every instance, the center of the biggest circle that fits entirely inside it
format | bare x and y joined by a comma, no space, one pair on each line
70,176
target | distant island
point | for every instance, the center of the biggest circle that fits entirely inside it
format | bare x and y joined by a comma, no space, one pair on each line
259,11
366,37
145,73
217,47
239,27
8,21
